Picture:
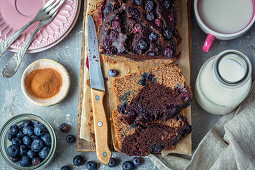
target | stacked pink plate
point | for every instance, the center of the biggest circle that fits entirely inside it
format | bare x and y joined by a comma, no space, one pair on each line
16,13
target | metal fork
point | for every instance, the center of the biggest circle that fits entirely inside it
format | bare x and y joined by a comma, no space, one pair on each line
44,13
12,66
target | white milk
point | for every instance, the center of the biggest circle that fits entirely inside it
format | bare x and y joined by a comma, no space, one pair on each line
226,16
216,97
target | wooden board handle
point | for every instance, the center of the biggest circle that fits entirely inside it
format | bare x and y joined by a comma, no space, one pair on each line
101,127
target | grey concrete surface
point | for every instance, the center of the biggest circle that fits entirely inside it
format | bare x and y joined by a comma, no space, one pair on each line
68,52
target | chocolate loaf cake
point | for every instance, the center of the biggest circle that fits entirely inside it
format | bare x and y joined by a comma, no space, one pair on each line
139,29
149,116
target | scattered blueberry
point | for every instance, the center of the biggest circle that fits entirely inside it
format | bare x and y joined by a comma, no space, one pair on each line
27,123
16,141
65,128
20,134
78,160
14,130
10,136
13,150
149,5
65,168
31,154
46,139
24,162
16,159
127,165
44,152
150,16
142,44
113,162
137,161
168,34
157,148
137,28
28,130
36,161
167,4
70,138
37,145
153,36
108,8
23,150
27,140
39,130
135,13
168,53
112,72
91,165
139,2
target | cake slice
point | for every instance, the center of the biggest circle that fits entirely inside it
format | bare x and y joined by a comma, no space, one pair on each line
149,117
155,95
138,29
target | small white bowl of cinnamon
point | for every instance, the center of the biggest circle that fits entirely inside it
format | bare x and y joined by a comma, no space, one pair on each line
45,82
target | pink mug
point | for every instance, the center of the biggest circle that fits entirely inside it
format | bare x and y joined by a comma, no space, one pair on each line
212,35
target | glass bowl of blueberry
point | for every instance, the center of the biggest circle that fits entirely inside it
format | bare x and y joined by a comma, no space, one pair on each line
27,142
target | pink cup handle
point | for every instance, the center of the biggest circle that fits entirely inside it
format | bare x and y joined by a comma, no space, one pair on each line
208,42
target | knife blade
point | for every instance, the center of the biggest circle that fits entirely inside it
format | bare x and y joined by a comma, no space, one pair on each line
97,94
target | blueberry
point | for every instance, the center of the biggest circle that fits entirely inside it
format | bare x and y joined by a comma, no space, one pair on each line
167,4
27,123
150,16
39,130
78,160
23,150
27,140
16,141
36,161
142,44
137,161
46,139
153,36
91,165
24,162
14,130
112,72
168,34
11,136
127,165
36,123
65,168
64,127
31,154
168,53
37,145
21,126
28,130
149,5
44,152
16,159
108,8
20,134
33,137
13,150
139,2
70,138
113,162
135,13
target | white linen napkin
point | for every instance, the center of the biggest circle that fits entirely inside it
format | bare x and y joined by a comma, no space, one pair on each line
230,144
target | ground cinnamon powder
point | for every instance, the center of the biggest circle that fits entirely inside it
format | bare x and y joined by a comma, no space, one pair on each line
43,83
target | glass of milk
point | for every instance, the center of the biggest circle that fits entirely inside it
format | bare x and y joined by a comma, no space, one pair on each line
223,82
224,19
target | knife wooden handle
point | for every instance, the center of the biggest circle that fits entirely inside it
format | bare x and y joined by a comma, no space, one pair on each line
101,127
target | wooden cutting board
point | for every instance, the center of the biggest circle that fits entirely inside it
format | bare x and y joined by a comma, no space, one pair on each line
126,66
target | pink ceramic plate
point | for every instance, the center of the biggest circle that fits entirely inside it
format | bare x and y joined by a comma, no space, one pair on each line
16,13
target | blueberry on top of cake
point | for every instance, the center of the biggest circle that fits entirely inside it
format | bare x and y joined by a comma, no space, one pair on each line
139,29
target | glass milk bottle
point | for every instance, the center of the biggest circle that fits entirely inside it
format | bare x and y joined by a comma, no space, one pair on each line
223,82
